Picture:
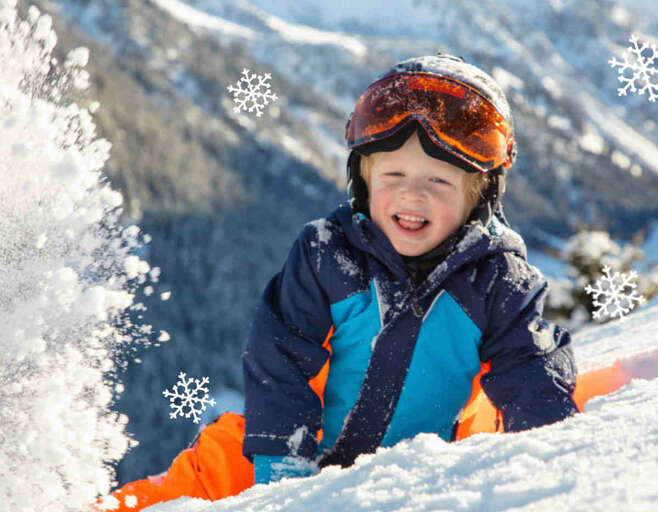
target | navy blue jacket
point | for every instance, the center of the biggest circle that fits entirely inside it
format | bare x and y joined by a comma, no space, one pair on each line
402,356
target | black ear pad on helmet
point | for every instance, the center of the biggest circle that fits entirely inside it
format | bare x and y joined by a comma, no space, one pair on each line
491,204
357,190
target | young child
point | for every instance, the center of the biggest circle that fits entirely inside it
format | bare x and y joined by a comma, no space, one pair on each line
393,312
386,311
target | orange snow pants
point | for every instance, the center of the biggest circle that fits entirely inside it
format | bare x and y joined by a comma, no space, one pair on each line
214,468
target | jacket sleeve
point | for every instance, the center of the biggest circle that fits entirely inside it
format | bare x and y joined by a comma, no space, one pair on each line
533,371
282,412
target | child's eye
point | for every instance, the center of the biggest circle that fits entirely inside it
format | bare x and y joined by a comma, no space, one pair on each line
439,180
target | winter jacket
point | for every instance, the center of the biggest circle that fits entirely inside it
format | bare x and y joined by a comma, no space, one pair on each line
346,345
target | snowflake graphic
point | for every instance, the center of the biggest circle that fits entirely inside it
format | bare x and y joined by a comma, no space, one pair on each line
642,69
247,97
187,394
611,287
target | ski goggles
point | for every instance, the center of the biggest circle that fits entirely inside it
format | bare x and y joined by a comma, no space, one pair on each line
455,116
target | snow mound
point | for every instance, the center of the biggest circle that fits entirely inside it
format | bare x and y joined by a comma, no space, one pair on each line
606,458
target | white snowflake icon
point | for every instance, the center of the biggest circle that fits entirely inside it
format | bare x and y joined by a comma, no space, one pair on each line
642,69
186,395
615,300
253,96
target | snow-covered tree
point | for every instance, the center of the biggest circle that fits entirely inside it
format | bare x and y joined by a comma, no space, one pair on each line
587,253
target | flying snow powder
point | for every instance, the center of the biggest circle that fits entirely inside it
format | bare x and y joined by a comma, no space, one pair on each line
68,278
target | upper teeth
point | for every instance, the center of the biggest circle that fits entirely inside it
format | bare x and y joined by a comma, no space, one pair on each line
411,218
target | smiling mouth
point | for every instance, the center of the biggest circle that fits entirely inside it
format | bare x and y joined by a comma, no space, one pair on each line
410,222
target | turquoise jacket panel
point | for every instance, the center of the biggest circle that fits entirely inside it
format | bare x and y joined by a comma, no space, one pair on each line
356,323
438,383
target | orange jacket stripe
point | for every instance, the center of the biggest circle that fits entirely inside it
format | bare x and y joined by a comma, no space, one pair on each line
319,382
479,415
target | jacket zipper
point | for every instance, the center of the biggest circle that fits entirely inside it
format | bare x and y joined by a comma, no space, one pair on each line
415,306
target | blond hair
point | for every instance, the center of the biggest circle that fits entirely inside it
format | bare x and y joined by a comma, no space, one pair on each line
475,183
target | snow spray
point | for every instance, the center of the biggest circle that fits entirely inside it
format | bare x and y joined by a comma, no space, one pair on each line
68,278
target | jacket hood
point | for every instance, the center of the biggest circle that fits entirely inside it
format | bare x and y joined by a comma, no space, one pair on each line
470,242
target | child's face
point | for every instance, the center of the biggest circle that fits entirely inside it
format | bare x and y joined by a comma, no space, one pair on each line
409,182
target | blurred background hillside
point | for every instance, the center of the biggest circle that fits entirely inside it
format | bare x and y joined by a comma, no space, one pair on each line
223,194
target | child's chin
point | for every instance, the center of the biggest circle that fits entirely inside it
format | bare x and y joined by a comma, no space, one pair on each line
405,251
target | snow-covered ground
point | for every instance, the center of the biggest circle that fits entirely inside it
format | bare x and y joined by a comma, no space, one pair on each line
604,459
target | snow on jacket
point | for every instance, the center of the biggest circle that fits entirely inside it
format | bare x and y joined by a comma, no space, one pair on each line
342,328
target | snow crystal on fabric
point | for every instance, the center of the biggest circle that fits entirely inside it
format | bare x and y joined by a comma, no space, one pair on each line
521,275
383,305
346,265
130,501
541,335
322,226
509,239
295,440
493,280
471,238
323,231
373,341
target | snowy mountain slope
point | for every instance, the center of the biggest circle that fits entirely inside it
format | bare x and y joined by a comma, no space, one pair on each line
578,141
200,20
507,30
292,32
604,459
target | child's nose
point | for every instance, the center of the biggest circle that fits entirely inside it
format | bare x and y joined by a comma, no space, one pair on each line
414,189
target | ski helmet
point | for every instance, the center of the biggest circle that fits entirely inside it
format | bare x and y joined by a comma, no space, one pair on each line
464,114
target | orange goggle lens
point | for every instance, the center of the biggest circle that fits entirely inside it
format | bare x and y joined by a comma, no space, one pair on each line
455,117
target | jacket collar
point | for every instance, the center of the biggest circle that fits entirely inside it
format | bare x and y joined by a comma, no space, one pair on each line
470,242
